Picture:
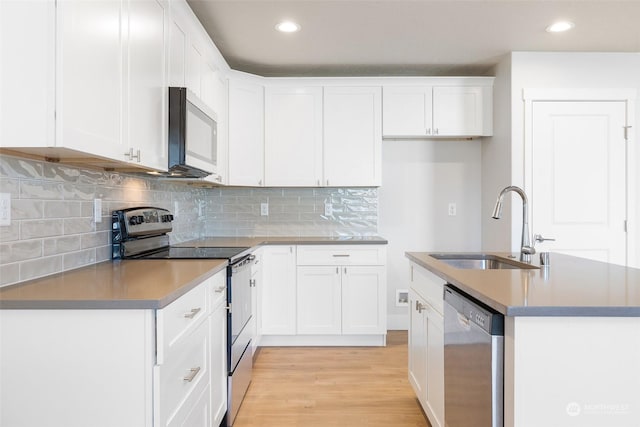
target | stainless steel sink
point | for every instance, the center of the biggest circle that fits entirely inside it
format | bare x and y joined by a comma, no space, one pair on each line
480,262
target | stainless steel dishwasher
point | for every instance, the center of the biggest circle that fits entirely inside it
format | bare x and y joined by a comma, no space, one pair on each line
473,362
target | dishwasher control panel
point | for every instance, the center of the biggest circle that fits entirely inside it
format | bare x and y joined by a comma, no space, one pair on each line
475,311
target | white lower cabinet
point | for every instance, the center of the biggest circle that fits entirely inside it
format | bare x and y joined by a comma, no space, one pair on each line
277,295
426,342
117,367
336,295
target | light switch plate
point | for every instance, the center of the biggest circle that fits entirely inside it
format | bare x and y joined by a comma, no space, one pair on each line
328,209
5,209
453,209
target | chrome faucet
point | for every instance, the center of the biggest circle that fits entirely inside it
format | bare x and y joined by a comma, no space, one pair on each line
526,249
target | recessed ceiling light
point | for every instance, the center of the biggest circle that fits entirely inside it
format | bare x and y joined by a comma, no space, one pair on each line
287,27
560,26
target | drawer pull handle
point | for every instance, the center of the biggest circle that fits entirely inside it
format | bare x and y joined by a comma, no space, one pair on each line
220,289
192,313
341,255
193,372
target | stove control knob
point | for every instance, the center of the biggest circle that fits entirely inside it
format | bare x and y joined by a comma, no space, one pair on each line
140,219
133,220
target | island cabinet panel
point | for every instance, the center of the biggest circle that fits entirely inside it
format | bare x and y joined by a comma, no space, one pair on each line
562,371
426,342
115,367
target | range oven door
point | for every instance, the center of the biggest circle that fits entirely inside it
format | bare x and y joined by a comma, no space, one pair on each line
239,334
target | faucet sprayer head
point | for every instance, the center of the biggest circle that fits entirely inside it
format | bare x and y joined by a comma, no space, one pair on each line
497,210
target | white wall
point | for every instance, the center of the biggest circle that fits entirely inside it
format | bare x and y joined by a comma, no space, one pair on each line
420,179
527,70
496,163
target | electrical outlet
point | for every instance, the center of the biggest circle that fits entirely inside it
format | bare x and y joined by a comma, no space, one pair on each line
97,210
328,209
453,210
5,209
264,209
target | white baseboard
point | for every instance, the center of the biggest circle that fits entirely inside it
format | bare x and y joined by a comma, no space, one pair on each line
397,322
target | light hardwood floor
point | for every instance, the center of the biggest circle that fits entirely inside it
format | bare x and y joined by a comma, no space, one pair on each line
332,386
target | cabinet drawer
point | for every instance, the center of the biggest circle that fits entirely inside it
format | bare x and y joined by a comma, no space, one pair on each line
342,255
428,286
183,376
181,317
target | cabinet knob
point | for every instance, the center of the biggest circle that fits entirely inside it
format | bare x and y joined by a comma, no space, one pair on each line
260,183
419,307
435,131
429,131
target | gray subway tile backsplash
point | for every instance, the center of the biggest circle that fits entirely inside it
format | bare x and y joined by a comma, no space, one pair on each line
53,227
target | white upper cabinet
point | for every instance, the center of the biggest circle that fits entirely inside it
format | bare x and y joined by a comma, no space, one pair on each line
106,69
293,136
246,135
27,74
177,57
352,136
445,109
147,106
91,73
406,111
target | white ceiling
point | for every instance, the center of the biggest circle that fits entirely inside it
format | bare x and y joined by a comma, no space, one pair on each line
416,37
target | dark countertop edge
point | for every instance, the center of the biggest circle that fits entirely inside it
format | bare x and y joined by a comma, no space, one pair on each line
527,311
111,304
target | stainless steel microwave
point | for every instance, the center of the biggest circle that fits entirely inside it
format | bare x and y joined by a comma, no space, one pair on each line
193,135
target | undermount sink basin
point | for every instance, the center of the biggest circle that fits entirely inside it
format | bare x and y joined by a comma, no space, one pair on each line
481,262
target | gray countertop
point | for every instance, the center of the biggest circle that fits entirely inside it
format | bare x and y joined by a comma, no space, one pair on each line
141,284
128,284
570,286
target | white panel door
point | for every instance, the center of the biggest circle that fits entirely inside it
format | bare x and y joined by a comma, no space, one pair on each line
352,136
457,111
363,300
293,136
177,50
246,133
406,111
277,295
147,87
91,37
319,304
578,178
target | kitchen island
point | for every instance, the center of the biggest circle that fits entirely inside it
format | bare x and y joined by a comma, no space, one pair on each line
572,337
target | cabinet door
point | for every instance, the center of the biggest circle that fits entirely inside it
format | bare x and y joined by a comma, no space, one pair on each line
406,111
246,137
435,367
293,136
27,88
147,93
199,415
457,111
90,70
194,65
277,294
177,48
319,302
352,136
256,282
218,363
418,347
364,304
